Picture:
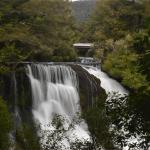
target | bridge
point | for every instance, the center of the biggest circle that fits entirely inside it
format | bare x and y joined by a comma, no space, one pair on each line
83,45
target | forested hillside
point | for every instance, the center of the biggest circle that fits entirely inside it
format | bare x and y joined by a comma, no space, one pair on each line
115,19
124,51
82,10
113,24
43,30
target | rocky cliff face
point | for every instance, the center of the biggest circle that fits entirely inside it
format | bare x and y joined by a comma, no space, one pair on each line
89,86
16,90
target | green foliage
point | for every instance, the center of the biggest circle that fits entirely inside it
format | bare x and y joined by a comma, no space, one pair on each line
38,20
9,54
126,69
99,127
27,139
52,135
122,62
133,80
6,125
113,19
42,28
132,111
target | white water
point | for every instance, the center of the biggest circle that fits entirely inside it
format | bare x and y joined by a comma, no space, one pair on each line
54,90
86,59
110,85
106,82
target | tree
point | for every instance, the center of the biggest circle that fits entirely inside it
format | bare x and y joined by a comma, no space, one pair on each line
6,125
114,19
53,135
45,28
132,111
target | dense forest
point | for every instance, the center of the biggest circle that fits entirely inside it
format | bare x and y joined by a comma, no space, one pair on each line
45,31
82,10
113,24
32,31
122,30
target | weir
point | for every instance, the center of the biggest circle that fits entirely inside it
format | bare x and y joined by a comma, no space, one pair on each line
83,61
55,89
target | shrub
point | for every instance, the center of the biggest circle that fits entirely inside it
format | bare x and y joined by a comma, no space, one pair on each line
6,125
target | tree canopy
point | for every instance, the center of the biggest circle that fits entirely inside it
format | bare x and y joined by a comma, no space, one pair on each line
114,19
45,29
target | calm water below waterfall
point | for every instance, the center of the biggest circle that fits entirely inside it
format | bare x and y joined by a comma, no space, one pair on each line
54,90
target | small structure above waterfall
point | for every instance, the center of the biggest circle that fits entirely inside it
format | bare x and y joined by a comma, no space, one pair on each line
82,48
83,45
85,59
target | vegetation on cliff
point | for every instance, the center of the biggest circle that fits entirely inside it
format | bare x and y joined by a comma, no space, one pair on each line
112,26
32,31
45,30
125,52
6,125
132,111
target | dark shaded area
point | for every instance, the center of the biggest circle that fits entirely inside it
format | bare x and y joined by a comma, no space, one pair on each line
22,94
89,87
81,51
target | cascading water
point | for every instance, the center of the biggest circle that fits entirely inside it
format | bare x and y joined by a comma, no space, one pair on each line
106,82
109,85
54,90
85,59
14,87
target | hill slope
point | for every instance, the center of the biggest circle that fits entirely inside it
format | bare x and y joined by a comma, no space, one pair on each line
82,10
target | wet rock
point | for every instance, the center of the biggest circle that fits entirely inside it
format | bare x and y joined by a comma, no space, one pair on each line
89,87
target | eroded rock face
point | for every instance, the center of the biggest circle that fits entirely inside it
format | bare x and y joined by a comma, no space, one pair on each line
90,88
16,91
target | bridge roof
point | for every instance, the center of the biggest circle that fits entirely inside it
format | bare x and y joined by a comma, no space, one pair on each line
83,44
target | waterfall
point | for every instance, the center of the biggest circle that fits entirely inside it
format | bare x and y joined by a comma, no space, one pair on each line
23,94
14,87
109,85
54,90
